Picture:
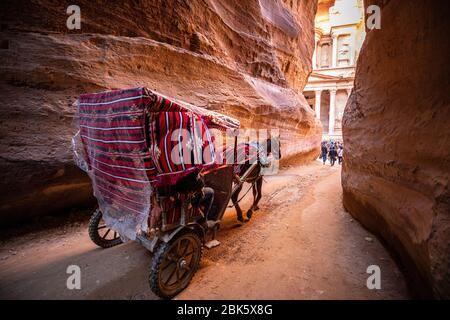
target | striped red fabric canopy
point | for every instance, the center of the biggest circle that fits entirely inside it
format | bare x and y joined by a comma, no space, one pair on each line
134,139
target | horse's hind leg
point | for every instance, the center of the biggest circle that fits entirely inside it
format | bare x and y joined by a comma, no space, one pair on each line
257,186
259,183
255,193
234,199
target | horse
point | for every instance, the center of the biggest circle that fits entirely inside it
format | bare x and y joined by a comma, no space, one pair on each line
254,178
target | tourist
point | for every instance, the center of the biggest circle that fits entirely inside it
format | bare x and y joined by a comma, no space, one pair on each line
340,153
332,154
324,152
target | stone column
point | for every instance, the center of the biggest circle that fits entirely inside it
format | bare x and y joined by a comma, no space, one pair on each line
334,51
352,48
314,58
332,112
318,101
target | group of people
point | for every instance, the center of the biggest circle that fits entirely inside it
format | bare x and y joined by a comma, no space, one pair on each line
332,149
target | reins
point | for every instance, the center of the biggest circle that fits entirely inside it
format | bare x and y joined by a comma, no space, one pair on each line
251,186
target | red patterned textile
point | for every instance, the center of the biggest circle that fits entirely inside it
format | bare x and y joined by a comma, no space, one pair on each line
133,139
114,136
180,141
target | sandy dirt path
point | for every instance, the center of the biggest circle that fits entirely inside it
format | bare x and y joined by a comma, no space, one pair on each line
301,244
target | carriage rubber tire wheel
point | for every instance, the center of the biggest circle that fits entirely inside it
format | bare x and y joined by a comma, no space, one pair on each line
179,259
95,227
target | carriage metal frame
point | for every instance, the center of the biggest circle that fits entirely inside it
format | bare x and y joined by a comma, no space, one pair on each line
189,229
177,245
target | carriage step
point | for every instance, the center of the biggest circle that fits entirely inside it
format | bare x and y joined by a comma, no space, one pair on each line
212,244
212,223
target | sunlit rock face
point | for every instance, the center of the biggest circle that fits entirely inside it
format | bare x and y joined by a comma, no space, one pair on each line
248,59
397,143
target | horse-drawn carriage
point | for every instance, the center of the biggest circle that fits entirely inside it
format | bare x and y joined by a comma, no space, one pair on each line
160,175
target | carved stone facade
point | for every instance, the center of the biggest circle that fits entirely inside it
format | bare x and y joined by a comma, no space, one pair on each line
339,34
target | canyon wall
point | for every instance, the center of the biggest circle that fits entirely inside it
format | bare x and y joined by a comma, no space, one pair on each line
248,59
397,144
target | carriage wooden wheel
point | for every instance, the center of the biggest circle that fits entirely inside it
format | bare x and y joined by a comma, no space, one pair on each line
100,234
174,264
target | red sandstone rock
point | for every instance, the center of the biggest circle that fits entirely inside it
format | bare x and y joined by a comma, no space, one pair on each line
249,59
397,144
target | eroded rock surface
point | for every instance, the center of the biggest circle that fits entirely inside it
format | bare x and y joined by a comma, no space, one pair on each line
249,59
397,144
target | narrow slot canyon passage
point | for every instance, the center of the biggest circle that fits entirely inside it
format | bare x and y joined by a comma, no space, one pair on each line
309,76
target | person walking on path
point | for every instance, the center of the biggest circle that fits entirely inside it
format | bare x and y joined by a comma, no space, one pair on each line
340,153
332,154
324,152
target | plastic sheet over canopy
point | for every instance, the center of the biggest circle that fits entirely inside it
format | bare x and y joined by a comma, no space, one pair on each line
111,146
126,143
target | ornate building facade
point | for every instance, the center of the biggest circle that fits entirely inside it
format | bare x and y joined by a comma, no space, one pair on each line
339,34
